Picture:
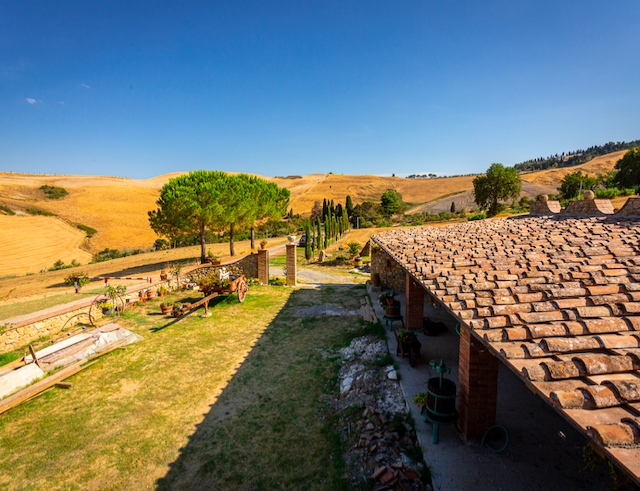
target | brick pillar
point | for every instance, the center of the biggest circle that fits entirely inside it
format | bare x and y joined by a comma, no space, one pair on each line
414,313
477,387
263,266
291,265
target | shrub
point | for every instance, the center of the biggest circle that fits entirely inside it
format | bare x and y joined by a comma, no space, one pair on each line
88,230
81,280
479,216
608,193
7,210
36,211
54,192
59,264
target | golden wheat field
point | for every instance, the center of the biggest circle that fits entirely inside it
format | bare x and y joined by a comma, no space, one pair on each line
117,207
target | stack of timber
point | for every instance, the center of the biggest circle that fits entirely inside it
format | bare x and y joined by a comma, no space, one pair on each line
366,310
71,355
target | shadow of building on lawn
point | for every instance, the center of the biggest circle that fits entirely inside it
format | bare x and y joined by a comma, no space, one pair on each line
266,429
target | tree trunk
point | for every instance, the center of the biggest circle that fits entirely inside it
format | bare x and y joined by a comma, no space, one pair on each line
253,236
203,246
232,234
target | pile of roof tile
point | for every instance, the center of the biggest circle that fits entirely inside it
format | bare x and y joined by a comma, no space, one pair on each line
557,298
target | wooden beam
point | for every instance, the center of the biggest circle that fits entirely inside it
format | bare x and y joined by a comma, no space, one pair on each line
13,365
35,358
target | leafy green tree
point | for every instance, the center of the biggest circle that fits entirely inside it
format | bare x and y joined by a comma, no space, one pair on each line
498,184
628,168
390,202
349,206
571,184
191,203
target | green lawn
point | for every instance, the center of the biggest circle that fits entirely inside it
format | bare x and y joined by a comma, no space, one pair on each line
232,401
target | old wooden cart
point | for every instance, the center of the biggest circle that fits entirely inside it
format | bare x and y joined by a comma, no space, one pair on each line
235,284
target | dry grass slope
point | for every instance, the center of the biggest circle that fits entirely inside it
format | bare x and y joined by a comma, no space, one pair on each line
117,207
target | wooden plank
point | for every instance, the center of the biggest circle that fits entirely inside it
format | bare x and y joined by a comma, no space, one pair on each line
35,358
14,364
52,380
43,384
69,350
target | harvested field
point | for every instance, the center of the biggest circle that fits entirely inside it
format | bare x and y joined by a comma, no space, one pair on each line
30,243
117,207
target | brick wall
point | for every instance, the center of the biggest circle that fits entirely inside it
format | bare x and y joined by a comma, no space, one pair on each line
477,387
263,266
392,276
414,313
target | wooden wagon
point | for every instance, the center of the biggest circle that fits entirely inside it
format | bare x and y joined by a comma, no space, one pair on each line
235,284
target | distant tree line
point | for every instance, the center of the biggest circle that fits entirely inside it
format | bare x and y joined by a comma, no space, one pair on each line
577,157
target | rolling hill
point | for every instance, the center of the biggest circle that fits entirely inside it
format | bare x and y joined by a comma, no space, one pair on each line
117,207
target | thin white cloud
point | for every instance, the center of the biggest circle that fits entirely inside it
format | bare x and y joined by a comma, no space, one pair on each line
85,86
61,102
30,101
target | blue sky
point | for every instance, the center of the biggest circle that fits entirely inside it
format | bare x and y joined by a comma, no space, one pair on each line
138,89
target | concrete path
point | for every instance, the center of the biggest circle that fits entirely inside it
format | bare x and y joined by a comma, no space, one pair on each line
544,452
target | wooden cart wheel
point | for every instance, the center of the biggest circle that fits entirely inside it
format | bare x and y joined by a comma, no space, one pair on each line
242,290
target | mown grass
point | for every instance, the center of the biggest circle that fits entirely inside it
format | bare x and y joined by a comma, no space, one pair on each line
232,401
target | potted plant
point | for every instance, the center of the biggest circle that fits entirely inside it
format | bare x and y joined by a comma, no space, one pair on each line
407,337
152,293
420,399
114,292
166,309
176,310
263,244
163,290
107,308
163,275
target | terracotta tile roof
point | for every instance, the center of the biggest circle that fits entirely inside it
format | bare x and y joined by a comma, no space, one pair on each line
556,298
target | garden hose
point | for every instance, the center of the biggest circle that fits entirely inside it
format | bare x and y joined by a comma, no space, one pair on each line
458,329
506,434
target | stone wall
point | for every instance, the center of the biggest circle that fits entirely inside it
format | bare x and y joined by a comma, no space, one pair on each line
630,208
16,335
588,207
392,276
247,266
13,337
544,207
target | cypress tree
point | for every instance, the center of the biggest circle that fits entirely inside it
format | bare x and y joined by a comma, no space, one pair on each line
318,233
349,206
453,207
307,244
325,209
